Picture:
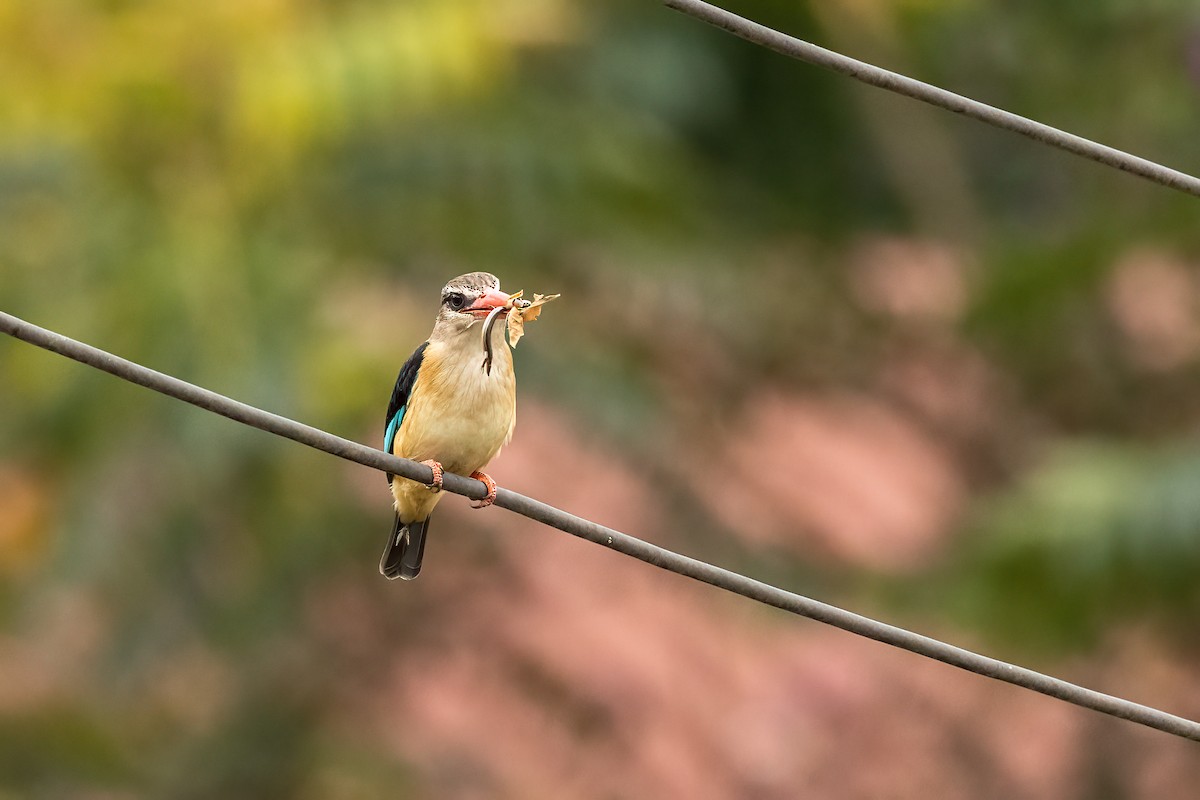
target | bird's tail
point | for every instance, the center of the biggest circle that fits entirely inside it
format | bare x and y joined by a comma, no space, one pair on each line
405,547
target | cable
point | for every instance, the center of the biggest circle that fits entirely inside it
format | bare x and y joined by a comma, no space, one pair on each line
900,84
612,539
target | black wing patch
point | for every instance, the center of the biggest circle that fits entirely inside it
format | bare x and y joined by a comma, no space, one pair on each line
400,395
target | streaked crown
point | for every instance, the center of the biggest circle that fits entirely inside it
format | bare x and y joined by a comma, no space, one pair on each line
473,283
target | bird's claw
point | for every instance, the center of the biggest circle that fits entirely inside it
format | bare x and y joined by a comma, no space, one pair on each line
491,489
436,485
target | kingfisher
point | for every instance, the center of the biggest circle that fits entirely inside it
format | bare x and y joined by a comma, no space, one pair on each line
449,411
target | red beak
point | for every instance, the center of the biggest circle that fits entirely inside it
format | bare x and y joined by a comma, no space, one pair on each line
489,301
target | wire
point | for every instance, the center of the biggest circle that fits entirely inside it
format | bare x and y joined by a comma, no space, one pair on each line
918,90
593,532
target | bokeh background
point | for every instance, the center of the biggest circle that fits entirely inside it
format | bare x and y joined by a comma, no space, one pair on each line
862,349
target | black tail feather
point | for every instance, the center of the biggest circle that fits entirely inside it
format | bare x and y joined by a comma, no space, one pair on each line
405,548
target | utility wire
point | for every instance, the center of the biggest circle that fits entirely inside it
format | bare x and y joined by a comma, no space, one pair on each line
591,531
918,90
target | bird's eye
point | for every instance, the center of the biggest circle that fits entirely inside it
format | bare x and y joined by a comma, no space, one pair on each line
455,300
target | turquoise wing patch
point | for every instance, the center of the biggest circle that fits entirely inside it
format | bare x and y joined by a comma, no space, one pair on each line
389,435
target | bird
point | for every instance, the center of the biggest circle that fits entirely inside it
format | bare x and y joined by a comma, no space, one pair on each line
448,412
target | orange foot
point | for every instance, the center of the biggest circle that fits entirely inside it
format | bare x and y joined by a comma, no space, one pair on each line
436,486
491,487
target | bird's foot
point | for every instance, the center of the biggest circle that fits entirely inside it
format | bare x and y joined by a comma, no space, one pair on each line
491,489
436,486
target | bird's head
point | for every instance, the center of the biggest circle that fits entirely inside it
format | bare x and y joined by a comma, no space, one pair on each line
466,300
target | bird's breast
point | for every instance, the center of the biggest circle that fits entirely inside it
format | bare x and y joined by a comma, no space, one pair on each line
459,414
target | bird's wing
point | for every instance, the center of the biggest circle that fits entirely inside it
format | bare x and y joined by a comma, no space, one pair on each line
400,395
